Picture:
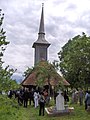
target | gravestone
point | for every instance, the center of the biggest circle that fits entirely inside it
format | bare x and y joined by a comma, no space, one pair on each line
60,108
60,101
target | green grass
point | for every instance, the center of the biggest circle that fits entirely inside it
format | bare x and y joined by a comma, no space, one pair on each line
9,110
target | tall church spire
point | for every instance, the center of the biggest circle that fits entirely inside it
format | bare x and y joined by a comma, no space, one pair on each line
41,28
41,34
41,44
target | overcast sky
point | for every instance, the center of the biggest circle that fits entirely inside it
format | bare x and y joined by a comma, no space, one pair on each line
63,20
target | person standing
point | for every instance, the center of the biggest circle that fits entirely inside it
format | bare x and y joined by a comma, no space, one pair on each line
31,96
10,93
25,97
36,97
81,95
66,98
87,100
41,104
73,97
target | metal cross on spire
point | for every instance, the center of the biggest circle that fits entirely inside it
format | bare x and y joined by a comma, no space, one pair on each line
42,4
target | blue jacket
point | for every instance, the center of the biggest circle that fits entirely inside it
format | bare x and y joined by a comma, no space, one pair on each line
87,99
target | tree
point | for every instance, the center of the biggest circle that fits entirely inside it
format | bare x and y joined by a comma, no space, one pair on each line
5,73
46,74
75,61
28,71
56,65
3,41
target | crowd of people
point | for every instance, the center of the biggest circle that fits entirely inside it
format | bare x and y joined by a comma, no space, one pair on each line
33,97
40,98
78,96
81,97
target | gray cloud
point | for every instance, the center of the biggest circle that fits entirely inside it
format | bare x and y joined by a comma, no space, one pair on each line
71,7
83,20
57,2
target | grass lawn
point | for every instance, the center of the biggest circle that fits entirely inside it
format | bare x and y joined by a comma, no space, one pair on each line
10,110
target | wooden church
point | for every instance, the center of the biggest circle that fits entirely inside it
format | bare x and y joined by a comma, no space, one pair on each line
41,52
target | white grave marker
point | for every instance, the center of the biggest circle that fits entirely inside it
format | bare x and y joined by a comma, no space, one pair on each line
60,101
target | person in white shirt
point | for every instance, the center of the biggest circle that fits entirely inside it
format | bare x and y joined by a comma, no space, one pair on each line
36,98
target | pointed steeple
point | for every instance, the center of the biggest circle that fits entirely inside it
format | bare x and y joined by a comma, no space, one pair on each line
41,34
41,28
41,45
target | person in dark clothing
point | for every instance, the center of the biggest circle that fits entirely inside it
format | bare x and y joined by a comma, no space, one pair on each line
25,97
10,93
31,96
66,98
55,95
41,104
20,98
87,100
